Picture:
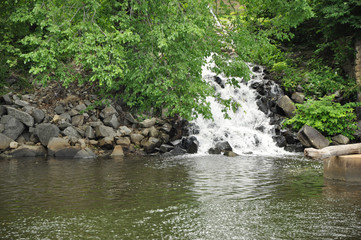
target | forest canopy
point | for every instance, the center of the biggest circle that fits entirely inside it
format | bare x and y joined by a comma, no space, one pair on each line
149,54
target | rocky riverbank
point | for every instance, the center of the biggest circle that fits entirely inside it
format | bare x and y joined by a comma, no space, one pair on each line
64,123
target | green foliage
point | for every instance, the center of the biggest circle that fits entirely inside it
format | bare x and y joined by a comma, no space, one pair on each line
279,67
326,116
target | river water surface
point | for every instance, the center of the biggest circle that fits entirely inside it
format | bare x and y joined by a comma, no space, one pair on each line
209,197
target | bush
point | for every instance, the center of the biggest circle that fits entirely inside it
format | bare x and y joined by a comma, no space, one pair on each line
326,116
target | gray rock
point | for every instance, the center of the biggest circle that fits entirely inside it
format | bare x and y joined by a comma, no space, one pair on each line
21,103
214,151
2,110
2,127
167,127
340,140
224,146
309,136
4,141
69,152
106,143
165,148
147,123
89,132
59,109
29,151
287,105
80,107
77,120
129,117
191,144
45,131
153,132
104,131
38,115
71,132
23,117
125,131
150,144
12,126
56,144
7,99
177,151
73,112
298,97
108,111
65,116
136,138
85,154
230,154
111,121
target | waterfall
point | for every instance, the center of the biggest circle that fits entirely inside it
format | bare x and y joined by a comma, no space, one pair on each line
248,130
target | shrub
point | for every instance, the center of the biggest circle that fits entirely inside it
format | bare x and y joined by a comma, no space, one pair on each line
326,116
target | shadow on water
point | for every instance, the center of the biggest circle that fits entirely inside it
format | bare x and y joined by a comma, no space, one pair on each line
209,197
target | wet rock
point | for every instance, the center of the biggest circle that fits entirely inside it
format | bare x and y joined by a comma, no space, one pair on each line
147,123
77,120
230,154
12,126
165,148
69,152
280,140
104,131
176,151
219,81
150,144
4,141
167,127
214,151
190,144
291,138
111,121
117,151
309,136
287,105
86,153
23,117
45,131
38,115
56,144
223,146
340,140
29,151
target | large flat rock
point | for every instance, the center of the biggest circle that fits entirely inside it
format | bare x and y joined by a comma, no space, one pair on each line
345,168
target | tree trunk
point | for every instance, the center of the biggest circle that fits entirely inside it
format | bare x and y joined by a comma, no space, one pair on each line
337,150
357,71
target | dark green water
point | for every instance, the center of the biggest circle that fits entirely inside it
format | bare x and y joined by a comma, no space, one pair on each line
210,197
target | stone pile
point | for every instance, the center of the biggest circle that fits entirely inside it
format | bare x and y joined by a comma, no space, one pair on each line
73,128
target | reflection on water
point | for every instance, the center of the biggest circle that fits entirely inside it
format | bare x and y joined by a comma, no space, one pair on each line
210,197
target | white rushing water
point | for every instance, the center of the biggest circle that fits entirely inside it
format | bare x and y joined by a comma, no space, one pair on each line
248,130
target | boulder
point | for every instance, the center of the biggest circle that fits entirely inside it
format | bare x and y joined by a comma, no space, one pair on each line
123,141
77,120
280,140
108,111
29,151
4,141
150,144
117,151
23,117
136,138
71,132
340,140
153,132
81,107
2,110
230,154
59,109
86,153
38,115
190,144
45,131
125,131
298,97
287,105
223,146
309,136
89,132
21,103
56,144
214,151
69,152
12,126
165,148
147,123
104,131
111,121
176,151
106,143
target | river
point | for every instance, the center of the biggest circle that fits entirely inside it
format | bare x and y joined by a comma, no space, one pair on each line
191,197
